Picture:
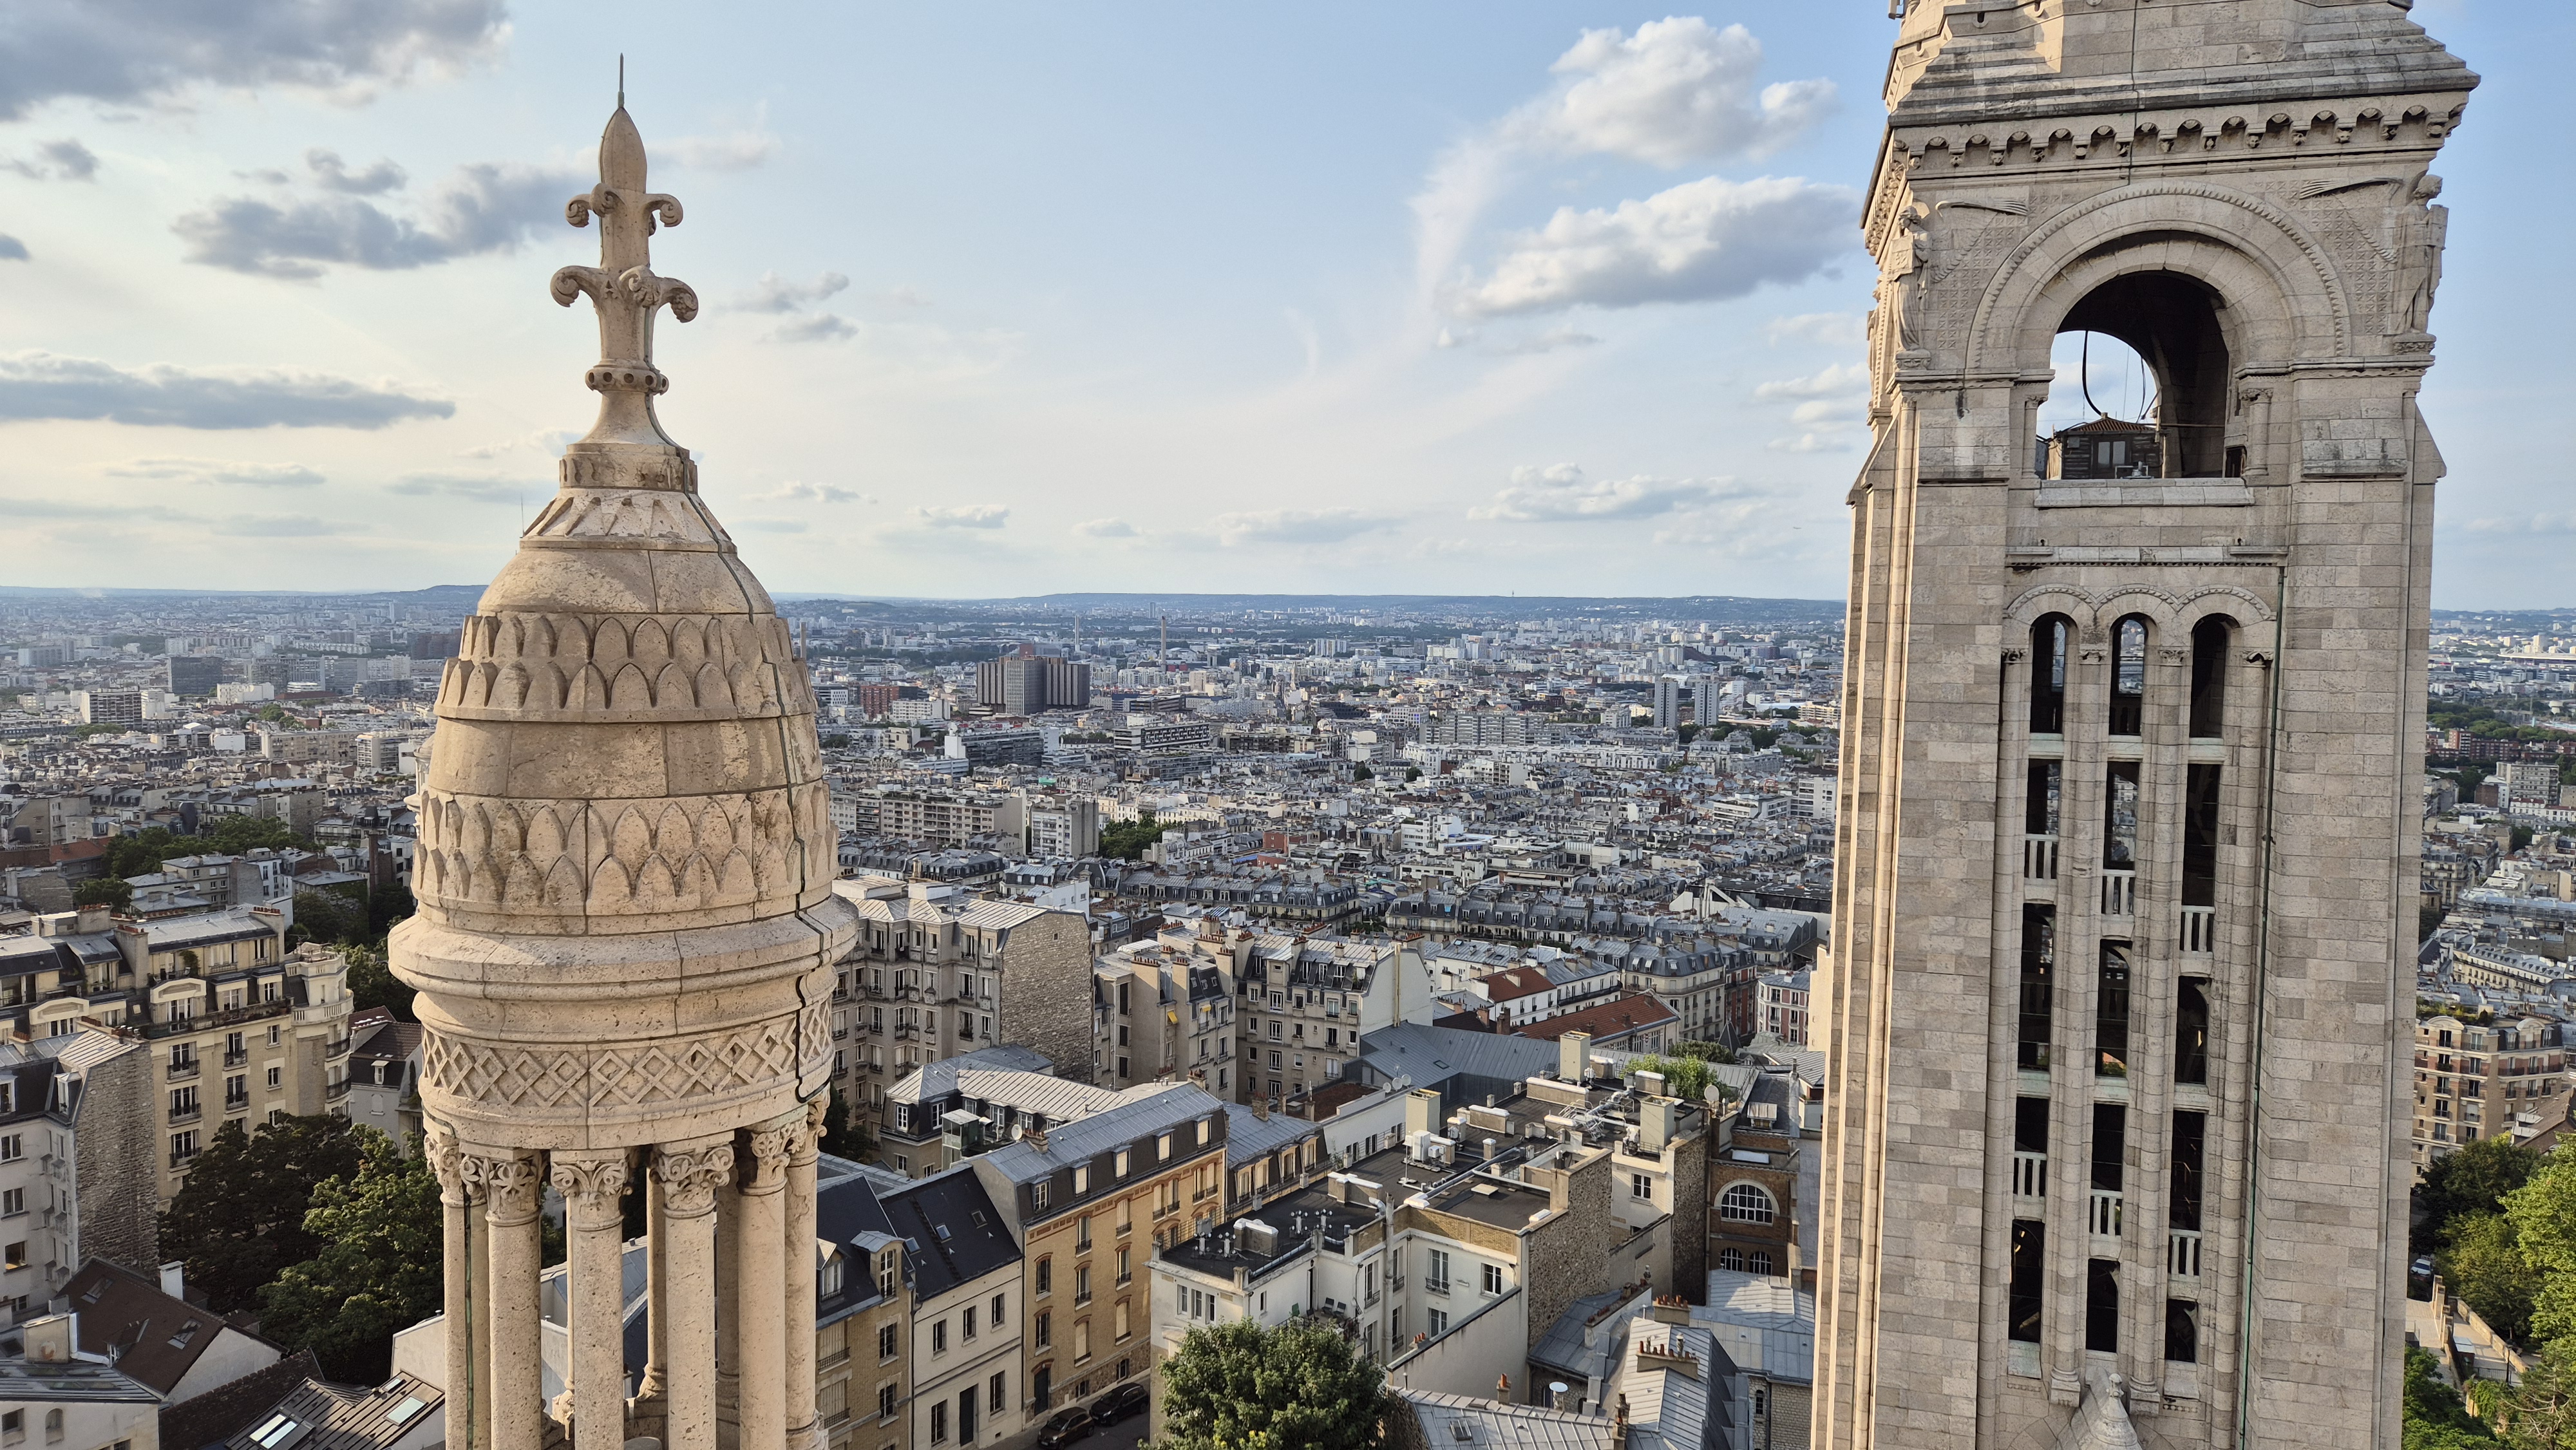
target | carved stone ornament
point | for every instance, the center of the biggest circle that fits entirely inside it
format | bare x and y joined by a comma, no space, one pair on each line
591,1187
691,1176
2015,656
460,1176
762,1154
2261,657
2173,656
513,1186
623,287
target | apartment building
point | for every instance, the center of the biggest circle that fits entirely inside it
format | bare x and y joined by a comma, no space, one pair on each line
1095,1199
943,1112
966,1312
937,971
77,1142
1304,1002
954,818
1780,1005
2472,1082
1164,1008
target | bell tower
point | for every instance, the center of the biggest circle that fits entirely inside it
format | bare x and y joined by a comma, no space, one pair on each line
2133,719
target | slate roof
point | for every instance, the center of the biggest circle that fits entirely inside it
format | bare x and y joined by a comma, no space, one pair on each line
1459,1422
323,1416
953,1233
938,1079
1248,1139
1432,1056
1083,1139
157,1339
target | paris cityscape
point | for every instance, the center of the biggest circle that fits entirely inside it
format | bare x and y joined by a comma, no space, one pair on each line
1877,913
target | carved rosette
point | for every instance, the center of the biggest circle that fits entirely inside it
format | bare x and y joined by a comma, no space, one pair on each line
691,1176
515,1187
591,1185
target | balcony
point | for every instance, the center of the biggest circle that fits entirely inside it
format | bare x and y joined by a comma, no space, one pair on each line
187,1114
2039,858
2199,936
336,1091
2102,1216
236,1104
236,1059
2182,1253
183,1071
2030,1175
338,1048
2119,893
210,1020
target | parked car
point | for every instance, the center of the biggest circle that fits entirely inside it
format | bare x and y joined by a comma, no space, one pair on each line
1118,1404
1065,1426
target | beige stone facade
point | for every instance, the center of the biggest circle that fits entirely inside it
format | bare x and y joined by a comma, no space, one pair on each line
626,931
2505,1080
936,970
2128,804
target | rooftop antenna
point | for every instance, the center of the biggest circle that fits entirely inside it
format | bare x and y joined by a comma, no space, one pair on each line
621,80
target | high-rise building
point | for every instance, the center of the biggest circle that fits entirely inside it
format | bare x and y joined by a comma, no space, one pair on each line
2115,1015
626,932
1025,682
195,676
110,707
1669,696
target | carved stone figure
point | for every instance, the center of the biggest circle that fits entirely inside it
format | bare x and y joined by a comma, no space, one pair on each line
1910,261
2422,229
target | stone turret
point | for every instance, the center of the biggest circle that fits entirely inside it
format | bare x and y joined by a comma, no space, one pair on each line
626,925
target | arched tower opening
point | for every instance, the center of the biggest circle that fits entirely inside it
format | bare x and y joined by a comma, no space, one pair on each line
2171,324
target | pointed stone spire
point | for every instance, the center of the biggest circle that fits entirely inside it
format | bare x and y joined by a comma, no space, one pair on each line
626,926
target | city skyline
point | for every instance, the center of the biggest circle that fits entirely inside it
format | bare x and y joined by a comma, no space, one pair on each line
1049,305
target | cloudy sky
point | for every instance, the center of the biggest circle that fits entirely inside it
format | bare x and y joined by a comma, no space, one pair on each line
1547,298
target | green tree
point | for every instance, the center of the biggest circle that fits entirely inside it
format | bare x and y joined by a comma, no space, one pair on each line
2428,920
1412,773
1684,1077
1300,1385
239,1219
387,905
379,1269
1362,772
373,984
843,1138
234,835
103,891
2521,837
2472,1181
2483,1263
2543,1212
1127,840
2433,1415
327,916
142,853
2540,1412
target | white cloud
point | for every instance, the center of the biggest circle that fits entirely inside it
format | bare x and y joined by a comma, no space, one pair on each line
36,385
1296,526
814,327
332,174
481,489
2542,523
1700,241
771,525
1829,410
813,493
478,209
965,516
1846,329
1105,529
274,526
1840,380
1561,494
64,160
1674,92
1810,443
217,470
135,53
773,293
722,151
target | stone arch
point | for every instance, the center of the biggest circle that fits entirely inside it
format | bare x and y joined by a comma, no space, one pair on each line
2282,297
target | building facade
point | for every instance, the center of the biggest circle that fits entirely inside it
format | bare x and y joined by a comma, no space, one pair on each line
935,970
2130,764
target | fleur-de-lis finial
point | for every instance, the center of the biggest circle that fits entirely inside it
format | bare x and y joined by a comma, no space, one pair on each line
623,287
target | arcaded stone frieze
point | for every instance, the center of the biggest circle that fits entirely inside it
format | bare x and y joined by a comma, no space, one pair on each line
629,1074
646,857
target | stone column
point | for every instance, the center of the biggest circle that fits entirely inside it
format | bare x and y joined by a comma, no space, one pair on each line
515,1187
645,1412
595,1294
460,1192
798,1246
686,1180
728,1236
759,1294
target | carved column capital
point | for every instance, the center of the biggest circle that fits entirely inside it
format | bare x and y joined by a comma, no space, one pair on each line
460,1174
690,1176
2015,656
808,1146
2173,656
514,1185
591,1185
761,1155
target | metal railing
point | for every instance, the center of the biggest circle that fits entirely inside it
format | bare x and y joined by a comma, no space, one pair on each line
183,1071
2199,931
189,1114
2102,1218
2039,858
2119,893
2182,1253
2030,1175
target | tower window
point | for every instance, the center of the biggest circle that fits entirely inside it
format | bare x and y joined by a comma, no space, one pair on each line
2209,640
2120,817
2111,1013
2190,1148
2038,997
2191,1031
2128,675
2182,1331
2030,1125
2029,1271
2048,641
2102,1306
2200,835
2110,1145
2047,789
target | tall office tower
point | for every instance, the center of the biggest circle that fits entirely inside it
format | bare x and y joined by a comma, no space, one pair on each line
1669,693
2127,830
626,931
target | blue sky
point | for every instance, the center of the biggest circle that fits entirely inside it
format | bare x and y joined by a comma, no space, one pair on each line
1013,298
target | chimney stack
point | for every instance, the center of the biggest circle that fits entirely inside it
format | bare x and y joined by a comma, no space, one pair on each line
1571,1050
